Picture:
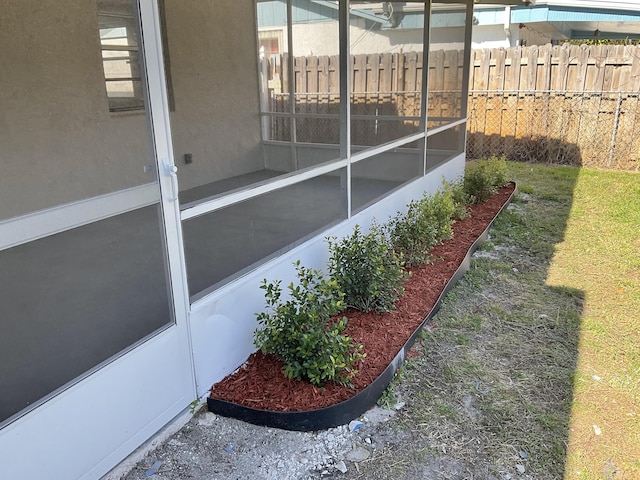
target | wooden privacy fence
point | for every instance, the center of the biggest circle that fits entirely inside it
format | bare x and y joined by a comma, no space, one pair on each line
562,104
385,101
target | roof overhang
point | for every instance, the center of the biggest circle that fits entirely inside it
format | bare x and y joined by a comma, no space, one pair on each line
513,3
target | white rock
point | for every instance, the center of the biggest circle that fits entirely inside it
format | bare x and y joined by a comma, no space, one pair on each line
341,466
367,440
208,419
520,468
597,430
358,454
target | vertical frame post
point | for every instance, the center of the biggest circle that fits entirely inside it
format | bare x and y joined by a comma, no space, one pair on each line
345,99
424,98
292,86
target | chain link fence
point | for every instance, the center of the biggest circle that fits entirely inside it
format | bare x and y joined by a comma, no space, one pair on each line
595,129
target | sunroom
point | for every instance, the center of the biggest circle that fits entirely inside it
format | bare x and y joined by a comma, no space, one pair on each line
161,157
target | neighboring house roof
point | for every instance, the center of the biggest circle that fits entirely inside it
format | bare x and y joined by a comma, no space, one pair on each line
386,15
609,4
549,19
562,20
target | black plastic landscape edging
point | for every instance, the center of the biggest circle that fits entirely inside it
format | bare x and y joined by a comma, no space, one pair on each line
343,412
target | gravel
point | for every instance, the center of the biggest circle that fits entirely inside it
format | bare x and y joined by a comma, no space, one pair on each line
213,447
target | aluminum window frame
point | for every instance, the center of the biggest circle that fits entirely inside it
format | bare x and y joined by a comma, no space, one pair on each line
346,157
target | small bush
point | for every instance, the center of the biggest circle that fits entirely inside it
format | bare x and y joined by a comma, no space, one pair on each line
459,197
427,222
440,207
367,270
482,178
299,331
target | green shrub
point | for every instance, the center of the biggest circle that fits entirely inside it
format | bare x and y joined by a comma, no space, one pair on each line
367,270
440,207
300,332
427,222
482,178
459,197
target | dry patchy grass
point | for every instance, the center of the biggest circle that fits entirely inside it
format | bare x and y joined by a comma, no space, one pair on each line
534,347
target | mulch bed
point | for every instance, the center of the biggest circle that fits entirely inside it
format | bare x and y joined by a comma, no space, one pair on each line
260,383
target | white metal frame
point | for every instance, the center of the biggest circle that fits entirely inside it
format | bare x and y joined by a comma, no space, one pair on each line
43,223
155,380
134,395
347,157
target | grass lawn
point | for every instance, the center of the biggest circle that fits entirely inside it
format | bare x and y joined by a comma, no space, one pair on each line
531,369
600,256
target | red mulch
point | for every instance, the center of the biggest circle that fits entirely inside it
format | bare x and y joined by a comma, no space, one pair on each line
260,383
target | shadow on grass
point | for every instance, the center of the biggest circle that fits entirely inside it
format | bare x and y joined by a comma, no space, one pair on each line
491,391
525,149
533,328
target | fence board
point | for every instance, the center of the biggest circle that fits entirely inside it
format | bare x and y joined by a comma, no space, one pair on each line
494,115
372,83
323,74
583,65
532,68
544,71
634,81
518,96
512,65
482,80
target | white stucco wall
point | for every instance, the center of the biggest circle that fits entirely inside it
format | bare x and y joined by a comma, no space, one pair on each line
59,142
213,57
493,36
322,39
531,36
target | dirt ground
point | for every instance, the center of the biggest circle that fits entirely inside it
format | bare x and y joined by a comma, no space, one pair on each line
213,447
486,395
383,446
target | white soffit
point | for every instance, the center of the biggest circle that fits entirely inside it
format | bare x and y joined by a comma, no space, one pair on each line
514,3
632,5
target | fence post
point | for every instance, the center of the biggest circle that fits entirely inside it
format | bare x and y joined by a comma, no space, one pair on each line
264,94
614,133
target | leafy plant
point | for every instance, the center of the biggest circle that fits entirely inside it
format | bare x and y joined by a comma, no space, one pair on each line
427,222
367,270
388,398
301,333
459,197
482,178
